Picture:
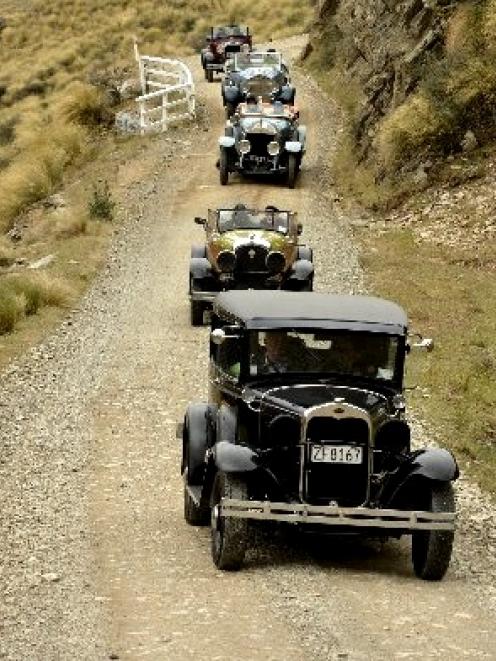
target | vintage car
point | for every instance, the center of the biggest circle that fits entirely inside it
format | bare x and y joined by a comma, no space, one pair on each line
262,139
247,248
305,425
259,74
221,44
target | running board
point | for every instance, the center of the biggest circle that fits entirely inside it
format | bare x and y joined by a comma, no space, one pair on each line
360,517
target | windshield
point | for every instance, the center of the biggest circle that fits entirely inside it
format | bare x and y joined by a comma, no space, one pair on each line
244,219
230,31
252,60
359,354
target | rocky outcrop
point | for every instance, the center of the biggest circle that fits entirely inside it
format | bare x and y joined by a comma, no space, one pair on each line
381,47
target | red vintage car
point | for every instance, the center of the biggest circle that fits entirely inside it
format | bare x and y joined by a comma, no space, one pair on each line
220,44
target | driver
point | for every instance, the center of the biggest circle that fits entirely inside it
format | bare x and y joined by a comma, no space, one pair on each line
276,352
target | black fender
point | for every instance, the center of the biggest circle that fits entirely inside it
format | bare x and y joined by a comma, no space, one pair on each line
197,438
302,270
231,94
230,458
208,56
199,268
198,250
287,94
406,486
226,424
305,252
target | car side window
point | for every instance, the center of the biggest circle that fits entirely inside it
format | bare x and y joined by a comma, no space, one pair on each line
228,358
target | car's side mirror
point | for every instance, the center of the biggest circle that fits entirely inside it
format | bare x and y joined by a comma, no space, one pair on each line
299,229
200,221
426,343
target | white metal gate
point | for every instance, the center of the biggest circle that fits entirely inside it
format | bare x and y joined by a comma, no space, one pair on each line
168,92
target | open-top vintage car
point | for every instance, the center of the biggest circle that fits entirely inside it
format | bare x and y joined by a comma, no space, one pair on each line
247,248
262,139
259,74
305,425
221,44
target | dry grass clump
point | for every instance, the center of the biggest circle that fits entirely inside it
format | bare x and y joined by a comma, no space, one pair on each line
39,169
86,105
22,295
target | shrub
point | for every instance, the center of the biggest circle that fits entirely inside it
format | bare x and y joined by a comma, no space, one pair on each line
101,205
9,311
26,288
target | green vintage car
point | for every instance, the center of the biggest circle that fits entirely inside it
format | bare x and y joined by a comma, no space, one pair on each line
247,249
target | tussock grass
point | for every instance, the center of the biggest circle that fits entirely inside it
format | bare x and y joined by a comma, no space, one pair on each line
39,170
86,105
22,295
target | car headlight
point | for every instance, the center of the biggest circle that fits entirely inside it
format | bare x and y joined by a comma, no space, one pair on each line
226,261
273,148
244,146
275,261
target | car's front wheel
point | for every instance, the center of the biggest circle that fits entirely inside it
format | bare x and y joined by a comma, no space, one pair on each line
224,166
230,108
229,535
210,75
292,170
431,549
197,309
194,515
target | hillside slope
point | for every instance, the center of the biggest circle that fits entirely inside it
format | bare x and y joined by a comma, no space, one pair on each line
416,77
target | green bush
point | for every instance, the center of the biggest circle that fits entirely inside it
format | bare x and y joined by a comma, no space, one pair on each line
101,205
9,310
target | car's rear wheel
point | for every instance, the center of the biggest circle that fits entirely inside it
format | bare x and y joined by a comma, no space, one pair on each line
223,167
431,549
292,170
229,535
210,75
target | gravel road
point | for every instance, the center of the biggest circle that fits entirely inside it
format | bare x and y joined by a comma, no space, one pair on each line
96,561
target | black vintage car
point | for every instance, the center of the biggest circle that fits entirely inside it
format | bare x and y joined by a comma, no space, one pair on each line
221,44
305,425
260,74
247,249
262,139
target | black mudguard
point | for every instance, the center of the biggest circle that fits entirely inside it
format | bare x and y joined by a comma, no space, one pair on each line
199,268
302,270
231,94
287,94
406,485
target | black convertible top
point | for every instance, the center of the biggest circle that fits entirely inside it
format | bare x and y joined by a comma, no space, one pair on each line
281,309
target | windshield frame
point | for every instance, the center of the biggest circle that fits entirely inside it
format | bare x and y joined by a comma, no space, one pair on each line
395,383
244,61
262,213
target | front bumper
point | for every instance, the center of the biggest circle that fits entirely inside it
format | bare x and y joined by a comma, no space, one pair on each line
345,517
205,296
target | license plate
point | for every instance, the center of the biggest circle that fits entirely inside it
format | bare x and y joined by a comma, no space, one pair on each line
336,454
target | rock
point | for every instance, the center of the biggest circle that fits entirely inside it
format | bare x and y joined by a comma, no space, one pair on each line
469,142
41,263
129,89
55,201
127,122
421,177
51,577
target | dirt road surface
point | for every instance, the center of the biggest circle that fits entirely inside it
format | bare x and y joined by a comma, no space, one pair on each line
96,561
